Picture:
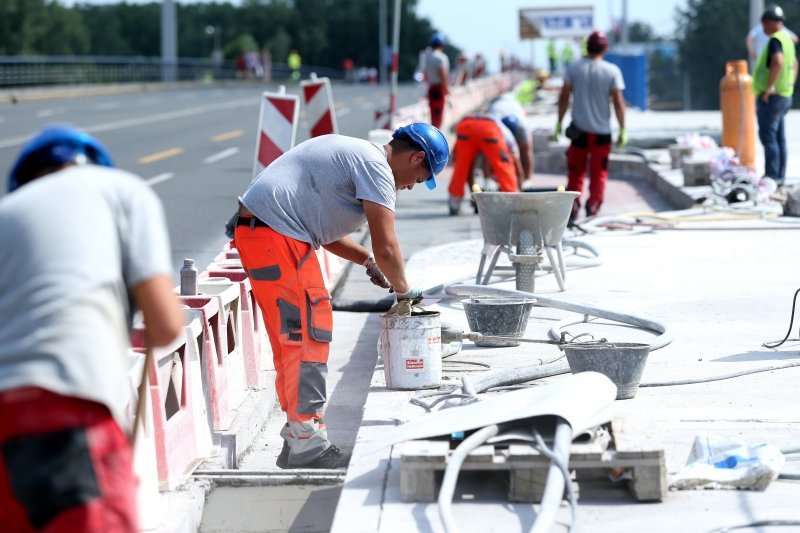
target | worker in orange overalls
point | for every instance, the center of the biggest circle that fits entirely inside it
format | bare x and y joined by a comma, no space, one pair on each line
316,195
487,135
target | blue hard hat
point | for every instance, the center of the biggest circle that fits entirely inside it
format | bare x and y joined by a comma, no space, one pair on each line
432,142
437,39
52,147
511,122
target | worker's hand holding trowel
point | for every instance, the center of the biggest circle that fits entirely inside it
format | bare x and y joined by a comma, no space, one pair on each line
405,301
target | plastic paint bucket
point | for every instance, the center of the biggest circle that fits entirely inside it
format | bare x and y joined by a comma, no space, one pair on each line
411,348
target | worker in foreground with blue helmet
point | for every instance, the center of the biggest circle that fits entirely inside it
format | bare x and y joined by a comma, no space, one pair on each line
315,195
82,245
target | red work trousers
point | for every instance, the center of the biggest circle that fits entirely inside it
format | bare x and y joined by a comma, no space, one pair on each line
436,100
287,283
476,135
65,466
593,149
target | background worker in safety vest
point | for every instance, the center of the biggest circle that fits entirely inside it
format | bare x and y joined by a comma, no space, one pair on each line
774,77
513,114
81,245
489,136
592,81
756,40
315,195
552,56
294,62
567,54
437,72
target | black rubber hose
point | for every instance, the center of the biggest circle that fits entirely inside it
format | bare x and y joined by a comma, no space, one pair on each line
364,306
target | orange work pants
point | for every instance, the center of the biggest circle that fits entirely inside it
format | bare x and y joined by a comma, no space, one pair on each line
476,135
287,283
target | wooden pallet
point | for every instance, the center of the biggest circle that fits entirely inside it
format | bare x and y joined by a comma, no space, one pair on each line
615,447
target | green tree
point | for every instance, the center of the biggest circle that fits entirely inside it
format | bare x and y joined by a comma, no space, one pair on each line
37,27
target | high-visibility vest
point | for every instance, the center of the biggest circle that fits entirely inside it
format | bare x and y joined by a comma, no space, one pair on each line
784,85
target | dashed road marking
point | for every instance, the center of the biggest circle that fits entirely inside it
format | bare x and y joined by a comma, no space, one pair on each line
343,112
158,156
227,136
45,113
160,178
221,155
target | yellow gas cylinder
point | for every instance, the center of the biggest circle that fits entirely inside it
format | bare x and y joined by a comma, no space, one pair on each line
738,106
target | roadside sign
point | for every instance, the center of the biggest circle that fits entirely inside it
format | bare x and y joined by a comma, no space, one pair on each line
555,22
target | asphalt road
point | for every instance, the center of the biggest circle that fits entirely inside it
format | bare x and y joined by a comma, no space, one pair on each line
195,147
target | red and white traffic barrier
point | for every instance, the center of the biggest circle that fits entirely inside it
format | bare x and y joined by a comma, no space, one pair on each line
318,99
277,127
254,335
171,391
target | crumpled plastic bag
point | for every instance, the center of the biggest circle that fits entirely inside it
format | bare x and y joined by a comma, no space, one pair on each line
717,462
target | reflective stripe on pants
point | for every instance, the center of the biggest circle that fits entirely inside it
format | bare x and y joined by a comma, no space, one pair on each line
287,283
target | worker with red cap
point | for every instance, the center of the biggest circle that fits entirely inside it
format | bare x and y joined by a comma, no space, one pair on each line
593,81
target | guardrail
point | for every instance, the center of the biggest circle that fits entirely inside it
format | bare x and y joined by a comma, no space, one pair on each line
25,71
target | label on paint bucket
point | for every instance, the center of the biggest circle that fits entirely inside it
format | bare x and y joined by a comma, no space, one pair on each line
414,365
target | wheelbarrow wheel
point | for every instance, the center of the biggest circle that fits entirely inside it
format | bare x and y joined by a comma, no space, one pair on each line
525,271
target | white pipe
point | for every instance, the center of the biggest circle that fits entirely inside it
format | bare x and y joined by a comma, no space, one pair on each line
659,341
452,470
556,479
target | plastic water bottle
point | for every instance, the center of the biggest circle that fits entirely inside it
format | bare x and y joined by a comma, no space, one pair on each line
188,278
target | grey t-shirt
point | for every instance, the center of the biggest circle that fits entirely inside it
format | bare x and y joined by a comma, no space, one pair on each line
436,60
73,245
592,82
314,192
507,105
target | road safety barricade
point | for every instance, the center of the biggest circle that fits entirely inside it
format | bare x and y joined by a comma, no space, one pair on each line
255,347
277,127
318,99
172,391
214,347
144,453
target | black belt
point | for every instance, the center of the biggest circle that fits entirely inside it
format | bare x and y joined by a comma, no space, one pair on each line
253,222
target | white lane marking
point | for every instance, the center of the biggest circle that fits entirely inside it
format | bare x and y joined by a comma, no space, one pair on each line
45,113
106,107
365,106
343,112
141,121
160,178
221,155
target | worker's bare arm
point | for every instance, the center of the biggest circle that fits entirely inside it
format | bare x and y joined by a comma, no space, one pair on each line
163,317
385,246
348,248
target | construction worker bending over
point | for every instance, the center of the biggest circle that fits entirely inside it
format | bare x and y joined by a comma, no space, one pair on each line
514,114
594,82
489,136
437,74
315,195
81,245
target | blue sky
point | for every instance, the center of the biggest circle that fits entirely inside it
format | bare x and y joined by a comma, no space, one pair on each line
488,26
474,28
